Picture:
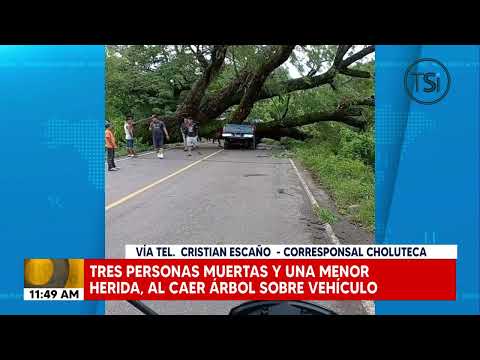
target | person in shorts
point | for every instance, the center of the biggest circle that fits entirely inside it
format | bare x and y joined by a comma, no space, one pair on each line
192,136
128,128
159,132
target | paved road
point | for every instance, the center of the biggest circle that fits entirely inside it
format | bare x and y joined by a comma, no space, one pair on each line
232,197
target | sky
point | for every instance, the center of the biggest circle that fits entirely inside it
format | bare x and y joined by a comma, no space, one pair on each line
294,73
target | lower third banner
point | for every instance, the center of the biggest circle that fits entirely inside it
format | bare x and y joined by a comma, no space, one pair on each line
269,279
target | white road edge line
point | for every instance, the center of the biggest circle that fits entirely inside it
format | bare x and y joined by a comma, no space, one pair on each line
314,203
138,192
369,306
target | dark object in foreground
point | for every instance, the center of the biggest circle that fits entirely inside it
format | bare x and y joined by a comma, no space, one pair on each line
239,134
142,307
274,307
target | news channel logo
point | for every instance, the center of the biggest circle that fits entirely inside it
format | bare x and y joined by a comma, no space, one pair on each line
53,273
427,81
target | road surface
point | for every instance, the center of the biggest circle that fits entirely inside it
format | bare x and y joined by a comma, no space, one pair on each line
231,197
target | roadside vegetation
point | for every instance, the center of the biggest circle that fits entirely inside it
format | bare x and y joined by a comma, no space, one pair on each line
326,215
342,161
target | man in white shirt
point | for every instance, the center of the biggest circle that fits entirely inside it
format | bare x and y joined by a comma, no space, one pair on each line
128,128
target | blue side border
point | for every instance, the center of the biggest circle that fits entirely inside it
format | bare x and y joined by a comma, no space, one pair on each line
427,168
52,179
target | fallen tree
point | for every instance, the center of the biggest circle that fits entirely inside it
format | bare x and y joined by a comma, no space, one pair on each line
288,126
248,87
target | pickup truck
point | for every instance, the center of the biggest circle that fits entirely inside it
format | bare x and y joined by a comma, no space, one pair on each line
239,134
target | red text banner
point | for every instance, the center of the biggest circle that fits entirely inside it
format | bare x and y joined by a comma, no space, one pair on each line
269,279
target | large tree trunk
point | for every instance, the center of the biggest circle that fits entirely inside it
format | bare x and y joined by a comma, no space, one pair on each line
287,126
191,104
277,133
278,55
213,107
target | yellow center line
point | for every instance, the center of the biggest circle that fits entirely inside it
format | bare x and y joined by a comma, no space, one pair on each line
138,192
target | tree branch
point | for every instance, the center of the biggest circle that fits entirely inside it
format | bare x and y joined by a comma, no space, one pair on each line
364,102
355,73
234,62
345,117
278,55
229,96
357,56
191,104
341,51
201,59
286,107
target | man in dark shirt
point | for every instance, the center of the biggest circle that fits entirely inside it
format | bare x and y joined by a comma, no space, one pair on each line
192,134
158,129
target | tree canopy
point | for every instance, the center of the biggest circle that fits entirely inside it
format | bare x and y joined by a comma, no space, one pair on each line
286,86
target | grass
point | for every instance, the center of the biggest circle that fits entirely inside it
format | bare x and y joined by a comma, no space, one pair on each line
349,181
325,215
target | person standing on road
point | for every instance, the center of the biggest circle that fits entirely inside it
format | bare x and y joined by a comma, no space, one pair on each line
192,134
110,145
128,128
199,138
183,130
218,136
159,131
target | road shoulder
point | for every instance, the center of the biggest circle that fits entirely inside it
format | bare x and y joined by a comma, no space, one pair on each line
346,231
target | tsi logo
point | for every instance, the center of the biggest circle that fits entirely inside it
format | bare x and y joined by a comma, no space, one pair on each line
427,81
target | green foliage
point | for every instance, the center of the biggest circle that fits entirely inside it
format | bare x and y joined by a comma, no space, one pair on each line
326,215
269,141
344,141
357,145
211,128
290,143
141,78
340,157
313,57
349,181
322,99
